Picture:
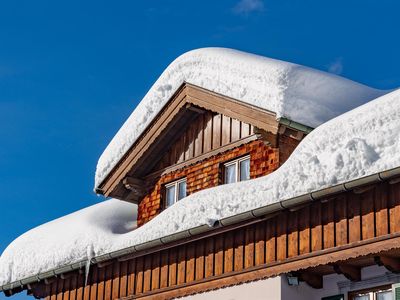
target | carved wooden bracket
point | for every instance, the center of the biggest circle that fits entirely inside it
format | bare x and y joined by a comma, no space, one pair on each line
137,187
350,272
390,263
312,279
269,138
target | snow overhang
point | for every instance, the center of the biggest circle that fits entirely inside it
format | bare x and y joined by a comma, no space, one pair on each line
203,231
184,106
304,95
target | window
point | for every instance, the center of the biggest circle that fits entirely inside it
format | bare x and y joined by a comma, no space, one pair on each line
382,293
237,170
175,191
336,297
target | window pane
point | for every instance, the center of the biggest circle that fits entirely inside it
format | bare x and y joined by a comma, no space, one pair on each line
230,173
362,297
170,195
182,190
385,295
245,170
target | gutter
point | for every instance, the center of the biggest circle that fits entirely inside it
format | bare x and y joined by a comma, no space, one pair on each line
245,216
294,125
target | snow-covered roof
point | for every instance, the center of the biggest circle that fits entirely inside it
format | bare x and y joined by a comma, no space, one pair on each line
68,239
361,142
301,94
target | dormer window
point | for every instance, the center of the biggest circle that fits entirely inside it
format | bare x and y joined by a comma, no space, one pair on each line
237,170
175,191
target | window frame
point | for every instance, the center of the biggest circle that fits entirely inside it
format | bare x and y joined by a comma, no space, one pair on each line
235,162
175,184
372,290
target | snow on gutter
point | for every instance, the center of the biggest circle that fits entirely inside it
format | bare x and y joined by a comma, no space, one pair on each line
245,216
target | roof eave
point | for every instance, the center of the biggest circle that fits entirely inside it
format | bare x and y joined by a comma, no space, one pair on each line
182,236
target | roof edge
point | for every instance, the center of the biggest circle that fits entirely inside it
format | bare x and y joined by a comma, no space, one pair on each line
295,125
232,220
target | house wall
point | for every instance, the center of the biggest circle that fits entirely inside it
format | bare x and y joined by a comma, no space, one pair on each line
334,284
266,289
287,144
277,288
208,173
324,232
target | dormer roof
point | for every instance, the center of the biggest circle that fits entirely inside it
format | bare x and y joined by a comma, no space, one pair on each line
181,110
295,92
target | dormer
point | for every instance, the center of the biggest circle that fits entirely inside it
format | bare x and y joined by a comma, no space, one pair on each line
217,116
200,139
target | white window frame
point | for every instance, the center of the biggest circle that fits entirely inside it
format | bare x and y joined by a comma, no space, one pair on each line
372,292
236,162
176,185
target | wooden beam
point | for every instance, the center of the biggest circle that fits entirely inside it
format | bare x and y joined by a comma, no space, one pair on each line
132,183
105,263
363,189
194,108
50,280
268,137
291,132
394,180
350,272
14,291
159,123
312,279
199,158
233,108
136,186
68,275
390,263
38,290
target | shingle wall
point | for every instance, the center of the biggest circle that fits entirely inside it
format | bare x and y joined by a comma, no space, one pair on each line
208,173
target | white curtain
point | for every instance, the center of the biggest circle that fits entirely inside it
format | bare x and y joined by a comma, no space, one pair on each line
245,170
230,173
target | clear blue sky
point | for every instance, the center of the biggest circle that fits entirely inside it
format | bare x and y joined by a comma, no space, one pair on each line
71,72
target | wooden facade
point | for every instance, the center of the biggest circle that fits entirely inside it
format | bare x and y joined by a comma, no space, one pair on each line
195,134
196,122
337,234
209,131
200,150
208,173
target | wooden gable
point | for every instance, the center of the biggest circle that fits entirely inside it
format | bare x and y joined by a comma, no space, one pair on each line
207,132
195,122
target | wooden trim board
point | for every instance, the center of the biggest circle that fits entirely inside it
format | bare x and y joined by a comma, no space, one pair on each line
363,248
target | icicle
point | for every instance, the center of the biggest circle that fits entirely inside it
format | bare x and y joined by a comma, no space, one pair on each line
89,255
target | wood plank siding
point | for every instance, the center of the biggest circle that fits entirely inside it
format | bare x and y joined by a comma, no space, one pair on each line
300,237
209,131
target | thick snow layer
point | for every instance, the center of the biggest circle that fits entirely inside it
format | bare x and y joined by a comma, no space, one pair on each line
69,239
356,144
299,93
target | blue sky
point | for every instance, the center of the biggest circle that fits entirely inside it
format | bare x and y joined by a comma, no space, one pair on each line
72,72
